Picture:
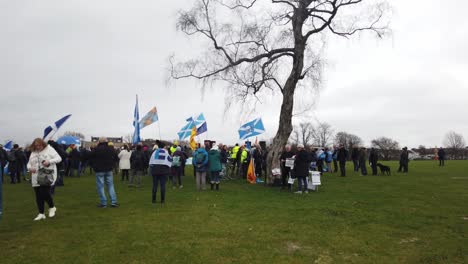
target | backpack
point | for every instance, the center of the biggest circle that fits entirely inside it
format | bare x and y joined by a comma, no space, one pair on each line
176,161
11,156
199,158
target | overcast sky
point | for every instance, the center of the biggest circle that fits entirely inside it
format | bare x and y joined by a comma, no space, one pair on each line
89,58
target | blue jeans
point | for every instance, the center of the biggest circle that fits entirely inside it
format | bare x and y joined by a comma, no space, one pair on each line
107,178
301,180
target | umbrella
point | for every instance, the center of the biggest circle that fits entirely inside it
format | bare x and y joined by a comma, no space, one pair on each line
68,140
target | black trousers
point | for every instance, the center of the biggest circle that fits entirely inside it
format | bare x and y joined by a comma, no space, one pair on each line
43,195
125,175
356,165
441,162
343,168
284,177
404,167
362,166
335,165
374,168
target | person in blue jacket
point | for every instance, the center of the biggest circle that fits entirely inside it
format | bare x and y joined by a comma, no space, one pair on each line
200,164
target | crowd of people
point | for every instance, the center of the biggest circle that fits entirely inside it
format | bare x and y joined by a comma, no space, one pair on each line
211,162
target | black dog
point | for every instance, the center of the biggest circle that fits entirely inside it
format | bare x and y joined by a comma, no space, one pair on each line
384,169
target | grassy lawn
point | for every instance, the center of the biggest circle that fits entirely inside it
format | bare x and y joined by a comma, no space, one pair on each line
414,218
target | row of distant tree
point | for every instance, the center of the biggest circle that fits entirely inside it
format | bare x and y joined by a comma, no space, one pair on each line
322,134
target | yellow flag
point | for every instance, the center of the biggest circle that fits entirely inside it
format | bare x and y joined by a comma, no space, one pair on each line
251,173
193,143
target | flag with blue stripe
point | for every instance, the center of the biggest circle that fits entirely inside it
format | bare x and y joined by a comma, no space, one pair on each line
252,128
136,124
55,127
150,118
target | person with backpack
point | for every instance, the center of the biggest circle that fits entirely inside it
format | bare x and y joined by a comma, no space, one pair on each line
200,163
214,160
138,165
160,167
178,160
43,156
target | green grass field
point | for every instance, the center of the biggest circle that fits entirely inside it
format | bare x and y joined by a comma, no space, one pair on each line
414,218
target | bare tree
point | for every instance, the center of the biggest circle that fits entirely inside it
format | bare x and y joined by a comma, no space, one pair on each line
348,140
387,146
322,134
303,133
258,47
74,134
455,144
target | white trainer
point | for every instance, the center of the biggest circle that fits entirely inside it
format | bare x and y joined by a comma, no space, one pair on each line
299,192
40,217
52,211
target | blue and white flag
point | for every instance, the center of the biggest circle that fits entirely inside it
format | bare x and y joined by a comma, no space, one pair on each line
136,124
186,130
200,120
252,128
56,126
202,129
8,145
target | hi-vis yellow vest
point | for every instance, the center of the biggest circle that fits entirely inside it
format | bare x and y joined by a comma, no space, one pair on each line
235,149
173,149
244,155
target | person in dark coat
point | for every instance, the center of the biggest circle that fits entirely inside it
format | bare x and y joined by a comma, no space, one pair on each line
362,161
341,157
334,156
3,161
373,159
138,163
301,168
404,160
355,158
441,154
285,171
75,159
178,160
14,165
103,158
160,167
60,166
258,160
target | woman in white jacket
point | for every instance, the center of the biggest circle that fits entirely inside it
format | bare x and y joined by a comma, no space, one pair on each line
124,162
43,155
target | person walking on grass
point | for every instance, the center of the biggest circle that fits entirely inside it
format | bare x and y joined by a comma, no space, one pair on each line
301,168
214,160
200,163
373,159
138,164
178,159
103,158
362,161
43,156
160,168
404,160
341,157
441,155
124,162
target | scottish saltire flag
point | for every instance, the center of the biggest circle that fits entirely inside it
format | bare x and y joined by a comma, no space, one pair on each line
200,120
186,130
8,145
56,126
252,128
136,124
202,129
150,118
